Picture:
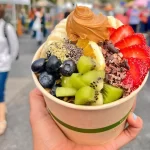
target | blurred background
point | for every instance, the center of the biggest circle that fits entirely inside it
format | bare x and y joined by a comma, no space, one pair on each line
22,15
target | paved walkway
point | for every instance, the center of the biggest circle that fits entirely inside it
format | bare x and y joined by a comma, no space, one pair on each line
18,135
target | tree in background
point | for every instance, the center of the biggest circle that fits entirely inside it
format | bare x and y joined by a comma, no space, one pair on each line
53,1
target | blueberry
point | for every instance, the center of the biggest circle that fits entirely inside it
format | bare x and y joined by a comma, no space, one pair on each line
68,68
53,90
71,63
57,75
53,64
38,66
42,75
46,80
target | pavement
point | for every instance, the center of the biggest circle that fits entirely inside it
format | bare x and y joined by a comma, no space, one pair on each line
18,135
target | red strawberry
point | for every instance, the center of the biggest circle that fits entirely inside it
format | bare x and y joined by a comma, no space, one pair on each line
135,39
128,81
121,33
111,31
136,74
137,51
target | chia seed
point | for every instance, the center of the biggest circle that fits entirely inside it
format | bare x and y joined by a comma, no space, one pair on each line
74,52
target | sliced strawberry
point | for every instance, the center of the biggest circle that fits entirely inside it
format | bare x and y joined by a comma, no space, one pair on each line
111,31
135,39
121,33
136,74
128,81
137,51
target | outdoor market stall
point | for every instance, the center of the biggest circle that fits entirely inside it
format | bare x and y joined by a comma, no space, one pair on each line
14,3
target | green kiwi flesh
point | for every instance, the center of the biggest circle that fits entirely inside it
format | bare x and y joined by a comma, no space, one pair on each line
65,91
111,93
76,81
84,96
65,82
85,64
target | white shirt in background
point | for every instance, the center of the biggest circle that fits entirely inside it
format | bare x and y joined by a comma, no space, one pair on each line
8,52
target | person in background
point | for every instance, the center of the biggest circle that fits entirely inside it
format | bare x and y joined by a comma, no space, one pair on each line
96,8
121,15
144,20
43,22
59,15
31,17
52,17
134,18
128,11
9,47
109,10
68,8
148,25
22,17
37,26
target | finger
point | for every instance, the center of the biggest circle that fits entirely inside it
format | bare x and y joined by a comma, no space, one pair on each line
36,101
38,112
42,123
130,133
37,106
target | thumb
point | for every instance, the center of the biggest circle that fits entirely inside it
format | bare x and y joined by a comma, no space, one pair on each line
37,106
130,133
43,127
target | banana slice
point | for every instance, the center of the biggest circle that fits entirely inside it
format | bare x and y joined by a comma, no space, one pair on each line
64,21
115,23
62,30
59,33
99,56
57,36
61,25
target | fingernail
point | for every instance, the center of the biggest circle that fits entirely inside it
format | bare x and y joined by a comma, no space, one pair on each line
126,125
134,116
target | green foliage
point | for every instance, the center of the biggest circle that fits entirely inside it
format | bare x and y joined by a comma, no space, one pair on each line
53,1
104,1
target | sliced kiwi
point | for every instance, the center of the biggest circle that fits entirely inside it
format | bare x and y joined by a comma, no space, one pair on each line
94,79
111,93
99,100
85,64
76,81
84,95
65,91
88,96
65,82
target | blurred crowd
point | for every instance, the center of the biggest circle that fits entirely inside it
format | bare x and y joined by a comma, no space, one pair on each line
137,17
40,21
